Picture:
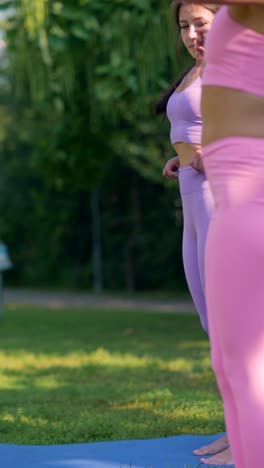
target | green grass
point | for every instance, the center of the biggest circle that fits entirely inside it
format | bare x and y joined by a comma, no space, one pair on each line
88,375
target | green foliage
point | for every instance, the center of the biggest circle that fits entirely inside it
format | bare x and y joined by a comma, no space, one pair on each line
121,46
78,94
48,226
101,64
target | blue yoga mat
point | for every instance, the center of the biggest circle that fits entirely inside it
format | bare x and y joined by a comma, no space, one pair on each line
170,452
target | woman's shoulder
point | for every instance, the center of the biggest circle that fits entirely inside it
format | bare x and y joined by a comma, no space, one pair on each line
189,81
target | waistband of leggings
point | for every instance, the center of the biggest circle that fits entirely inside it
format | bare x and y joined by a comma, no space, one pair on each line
232,144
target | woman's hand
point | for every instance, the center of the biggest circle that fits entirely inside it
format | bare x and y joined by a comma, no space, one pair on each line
197,162
171,168
201,34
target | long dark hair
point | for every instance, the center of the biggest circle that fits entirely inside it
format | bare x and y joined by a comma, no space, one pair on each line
161,105
176,6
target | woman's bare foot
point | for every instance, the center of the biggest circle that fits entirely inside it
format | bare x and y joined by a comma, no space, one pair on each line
222,458
217,446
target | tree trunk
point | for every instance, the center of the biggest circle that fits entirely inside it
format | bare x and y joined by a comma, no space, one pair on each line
96,241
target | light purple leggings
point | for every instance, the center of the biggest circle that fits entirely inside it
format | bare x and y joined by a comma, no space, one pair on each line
198,204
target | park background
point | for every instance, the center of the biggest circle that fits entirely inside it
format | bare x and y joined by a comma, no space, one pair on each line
84,207
82,199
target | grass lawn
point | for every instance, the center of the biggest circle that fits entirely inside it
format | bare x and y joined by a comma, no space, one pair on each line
89,375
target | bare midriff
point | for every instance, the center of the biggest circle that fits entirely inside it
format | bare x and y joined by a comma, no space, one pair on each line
186,151
230,112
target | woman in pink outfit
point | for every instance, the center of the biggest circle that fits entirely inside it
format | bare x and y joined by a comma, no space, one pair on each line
233,155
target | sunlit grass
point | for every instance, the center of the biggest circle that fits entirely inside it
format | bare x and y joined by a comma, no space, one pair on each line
78,376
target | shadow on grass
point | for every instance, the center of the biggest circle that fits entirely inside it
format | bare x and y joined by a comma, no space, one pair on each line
71,377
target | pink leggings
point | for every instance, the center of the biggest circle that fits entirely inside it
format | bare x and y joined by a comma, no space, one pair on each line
234,275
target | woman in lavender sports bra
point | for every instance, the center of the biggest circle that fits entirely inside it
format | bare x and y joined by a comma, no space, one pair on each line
182,105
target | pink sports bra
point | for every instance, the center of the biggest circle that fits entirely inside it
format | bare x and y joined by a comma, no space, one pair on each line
184,114
234,55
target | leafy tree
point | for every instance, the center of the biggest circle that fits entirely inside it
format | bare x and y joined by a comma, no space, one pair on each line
85,76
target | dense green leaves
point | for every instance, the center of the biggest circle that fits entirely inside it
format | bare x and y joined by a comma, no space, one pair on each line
83,76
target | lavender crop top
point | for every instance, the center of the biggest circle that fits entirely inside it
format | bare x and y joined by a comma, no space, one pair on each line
234,55
184,114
